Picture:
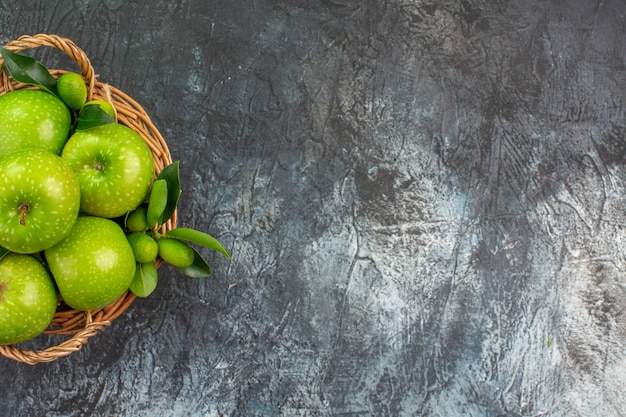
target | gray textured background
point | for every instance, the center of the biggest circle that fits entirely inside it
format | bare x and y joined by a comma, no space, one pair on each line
424,199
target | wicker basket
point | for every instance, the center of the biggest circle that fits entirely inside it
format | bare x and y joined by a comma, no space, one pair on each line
77,327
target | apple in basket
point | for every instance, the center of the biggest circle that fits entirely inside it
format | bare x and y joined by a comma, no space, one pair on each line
39,200
33,118
114,167
28,298
94,265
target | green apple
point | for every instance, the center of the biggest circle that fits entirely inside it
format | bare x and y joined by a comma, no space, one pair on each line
39,200
94,265
114,167
144,247
28,298
33,119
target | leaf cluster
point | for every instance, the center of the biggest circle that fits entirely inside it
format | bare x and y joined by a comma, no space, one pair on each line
160,207
29,71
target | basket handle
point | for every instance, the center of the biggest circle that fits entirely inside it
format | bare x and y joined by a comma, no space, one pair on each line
53,41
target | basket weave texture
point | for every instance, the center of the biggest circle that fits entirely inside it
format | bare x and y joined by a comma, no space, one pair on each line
79,326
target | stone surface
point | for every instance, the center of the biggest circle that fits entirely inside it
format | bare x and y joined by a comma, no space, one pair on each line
424,200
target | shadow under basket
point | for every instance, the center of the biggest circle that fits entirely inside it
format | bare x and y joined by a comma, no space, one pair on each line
76,327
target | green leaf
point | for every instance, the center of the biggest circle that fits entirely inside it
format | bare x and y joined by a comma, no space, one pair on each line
201,238
171,175
157,203
92,115
29,71
198,269
145,280
4,252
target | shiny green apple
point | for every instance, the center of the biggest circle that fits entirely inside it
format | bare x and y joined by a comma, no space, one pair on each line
94,265
33,118
39,200
28,298
114,167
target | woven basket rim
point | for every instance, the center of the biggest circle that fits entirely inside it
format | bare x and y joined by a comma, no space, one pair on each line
80,326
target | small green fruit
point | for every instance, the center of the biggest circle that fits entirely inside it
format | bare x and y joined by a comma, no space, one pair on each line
72,90
175,252
137,220
144,247
104,105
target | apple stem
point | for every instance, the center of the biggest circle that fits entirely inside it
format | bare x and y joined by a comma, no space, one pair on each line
24,208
